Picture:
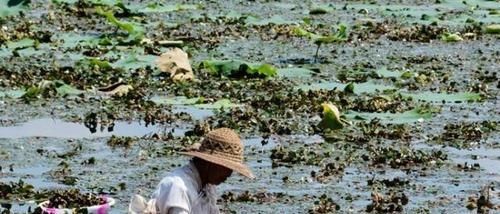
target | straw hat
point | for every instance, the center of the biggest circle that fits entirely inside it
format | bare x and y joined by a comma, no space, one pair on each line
223,147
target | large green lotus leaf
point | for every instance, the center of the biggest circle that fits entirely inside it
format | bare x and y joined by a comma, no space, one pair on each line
440,97
133,61
12,7
411,116
64,89
20,44
358,88
294,72
12,93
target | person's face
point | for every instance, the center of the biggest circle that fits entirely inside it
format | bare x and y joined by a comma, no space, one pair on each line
218,174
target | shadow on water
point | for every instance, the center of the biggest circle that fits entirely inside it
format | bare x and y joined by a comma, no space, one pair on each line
47,127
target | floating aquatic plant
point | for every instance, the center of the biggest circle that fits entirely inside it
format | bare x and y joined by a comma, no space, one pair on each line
135,31
331,118
238,68
339,36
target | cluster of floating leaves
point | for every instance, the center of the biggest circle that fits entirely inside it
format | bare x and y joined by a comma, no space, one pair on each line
393,202
465,133
160,115
328,171
72,198
420,33
257,197
375,129
18,189
404,157
63,174
324,204
482,201
123,142
395,182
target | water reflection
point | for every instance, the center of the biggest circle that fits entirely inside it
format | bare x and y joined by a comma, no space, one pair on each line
47,127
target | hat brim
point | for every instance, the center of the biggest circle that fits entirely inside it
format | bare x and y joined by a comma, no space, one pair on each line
235,166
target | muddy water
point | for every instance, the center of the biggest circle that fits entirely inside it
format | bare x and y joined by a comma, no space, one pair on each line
33,144
136,169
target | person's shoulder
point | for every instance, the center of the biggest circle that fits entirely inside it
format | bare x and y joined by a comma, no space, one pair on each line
175,179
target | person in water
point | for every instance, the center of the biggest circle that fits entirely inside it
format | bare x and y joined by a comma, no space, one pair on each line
191,189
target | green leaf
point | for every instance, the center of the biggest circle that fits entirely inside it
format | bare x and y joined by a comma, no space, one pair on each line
20,44
321,9
12,7
339,36
407,75
61,88
294,72
64,89
349,88
134,30
71,40
359,88
12,93
95,62
238,68
318,11
133,62
331,117
411,116
440,97
32,93
451,37
300,32
492,29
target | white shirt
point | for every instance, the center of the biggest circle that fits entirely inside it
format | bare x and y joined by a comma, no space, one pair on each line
181,192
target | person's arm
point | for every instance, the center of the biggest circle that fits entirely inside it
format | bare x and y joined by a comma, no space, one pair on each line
176,210
172,198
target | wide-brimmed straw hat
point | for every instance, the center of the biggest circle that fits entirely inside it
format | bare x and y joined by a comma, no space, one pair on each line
223,147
